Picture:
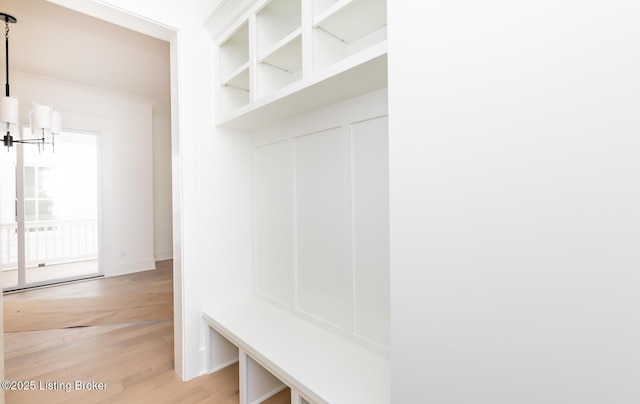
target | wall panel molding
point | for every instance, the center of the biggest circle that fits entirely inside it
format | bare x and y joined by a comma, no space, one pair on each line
320,184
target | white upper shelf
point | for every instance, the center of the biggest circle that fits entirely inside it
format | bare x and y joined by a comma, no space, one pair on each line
286,54
350,20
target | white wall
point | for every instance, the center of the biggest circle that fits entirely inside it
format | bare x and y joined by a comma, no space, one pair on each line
515,186
162,215
125,127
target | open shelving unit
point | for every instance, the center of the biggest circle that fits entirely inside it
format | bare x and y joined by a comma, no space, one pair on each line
235,68
279,52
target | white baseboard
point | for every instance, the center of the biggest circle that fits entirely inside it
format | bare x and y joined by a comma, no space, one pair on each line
163,255
129,268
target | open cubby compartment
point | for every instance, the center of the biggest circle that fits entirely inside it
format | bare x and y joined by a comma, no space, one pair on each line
233,98
281,67
257,384
222,352
234,70
275,21
347,27
234,53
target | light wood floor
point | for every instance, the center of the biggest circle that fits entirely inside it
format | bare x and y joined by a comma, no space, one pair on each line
116,331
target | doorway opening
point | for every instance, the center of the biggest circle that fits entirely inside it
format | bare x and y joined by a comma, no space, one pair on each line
49,228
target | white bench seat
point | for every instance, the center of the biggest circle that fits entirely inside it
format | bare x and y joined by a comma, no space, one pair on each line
318,366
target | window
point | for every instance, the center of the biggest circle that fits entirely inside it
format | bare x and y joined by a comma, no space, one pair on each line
39,183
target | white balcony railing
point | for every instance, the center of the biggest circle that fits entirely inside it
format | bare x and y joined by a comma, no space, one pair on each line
49,242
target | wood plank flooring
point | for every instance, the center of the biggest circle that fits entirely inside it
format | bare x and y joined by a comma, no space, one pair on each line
125,341
45,314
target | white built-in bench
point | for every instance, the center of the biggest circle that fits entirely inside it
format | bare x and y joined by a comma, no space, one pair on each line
277,350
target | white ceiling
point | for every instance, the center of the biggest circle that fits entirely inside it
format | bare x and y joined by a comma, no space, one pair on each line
58,43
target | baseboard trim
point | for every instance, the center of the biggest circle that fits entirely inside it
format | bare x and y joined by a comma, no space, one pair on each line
129,268
163,255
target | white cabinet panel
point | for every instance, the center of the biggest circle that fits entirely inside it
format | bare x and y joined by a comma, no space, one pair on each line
273,210
323,280
370,170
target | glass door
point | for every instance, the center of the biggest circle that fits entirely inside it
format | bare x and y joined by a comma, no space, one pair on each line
8,224
56,212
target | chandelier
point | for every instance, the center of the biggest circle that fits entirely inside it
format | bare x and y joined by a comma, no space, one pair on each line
44,121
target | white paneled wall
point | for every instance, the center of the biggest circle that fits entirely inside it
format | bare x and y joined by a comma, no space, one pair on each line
321,232
274,233
322,276
370,235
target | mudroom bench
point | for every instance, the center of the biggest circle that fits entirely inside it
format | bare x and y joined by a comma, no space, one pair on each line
277,349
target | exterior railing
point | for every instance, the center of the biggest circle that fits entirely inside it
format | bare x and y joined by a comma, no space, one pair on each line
8,245
49,242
